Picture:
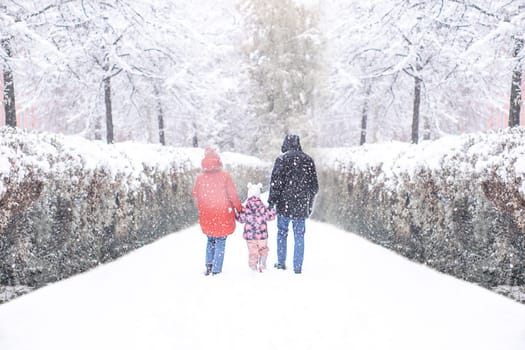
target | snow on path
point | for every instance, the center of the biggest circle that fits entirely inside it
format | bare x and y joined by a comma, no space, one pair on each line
351,295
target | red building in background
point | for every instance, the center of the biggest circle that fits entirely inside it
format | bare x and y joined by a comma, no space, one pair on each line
24,117
500,120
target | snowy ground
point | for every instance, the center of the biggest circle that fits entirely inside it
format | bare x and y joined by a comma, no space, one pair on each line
351,295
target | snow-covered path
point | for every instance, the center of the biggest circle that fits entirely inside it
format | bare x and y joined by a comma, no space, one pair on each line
351,295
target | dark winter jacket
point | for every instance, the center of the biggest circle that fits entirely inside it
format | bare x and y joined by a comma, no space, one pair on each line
293,184
254,215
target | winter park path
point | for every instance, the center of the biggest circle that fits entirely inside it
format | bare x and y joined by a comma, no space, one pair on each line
351,295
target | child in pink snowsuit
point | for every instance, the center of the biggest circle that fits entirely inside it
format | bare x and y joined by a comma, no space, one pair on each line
254,215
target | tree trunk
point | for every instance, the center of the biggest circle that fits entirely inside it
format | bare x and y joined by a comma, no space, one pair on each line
160,116
417,102
97,132
364,116
426,127
195,139
515,89
9,87
109,113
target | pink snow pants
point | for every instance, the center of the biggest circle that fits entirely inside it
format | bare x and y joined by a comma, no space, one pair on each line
256,249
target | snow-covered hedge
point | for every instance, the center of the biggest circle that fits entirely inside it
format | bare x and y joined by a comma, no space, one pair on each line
68,204
457,204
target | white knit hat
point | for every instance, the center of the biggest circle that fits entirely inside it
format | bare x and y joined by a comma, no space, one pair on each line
254,190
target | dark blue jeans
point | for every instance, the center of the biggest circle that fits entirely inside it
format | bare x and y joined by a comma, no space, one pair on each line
215,253
298,226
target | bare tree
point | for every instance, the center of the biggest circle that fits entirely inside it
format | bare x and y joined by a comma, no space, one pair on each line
364,118
417,103
9,85
510,12
160,115
515,90
109,110
451,52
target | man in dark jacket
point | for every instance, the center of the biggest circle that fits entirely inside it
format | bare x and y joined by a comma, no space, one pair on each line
293,186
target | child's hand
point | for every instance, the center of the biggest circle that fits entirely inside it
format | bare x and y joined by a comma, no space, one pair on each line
270,214
240,216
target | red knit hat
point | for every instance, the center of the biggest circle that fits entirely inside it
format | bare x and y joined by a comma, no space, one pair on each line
211,160
210,153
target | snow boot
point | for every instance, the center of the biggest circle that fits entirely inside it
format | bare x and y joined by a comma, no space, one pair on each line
208,269
262,263
279,266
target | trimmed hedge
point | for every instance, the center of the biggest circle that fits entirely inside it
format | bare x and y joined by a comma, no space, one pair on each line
63,212
456,205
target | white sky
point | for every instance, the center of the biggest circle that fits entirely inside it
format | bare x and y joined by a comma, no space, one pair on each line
308,2
351,295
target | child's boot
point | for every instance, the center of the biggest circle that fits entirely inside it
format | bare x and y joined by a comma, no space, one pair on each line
262,263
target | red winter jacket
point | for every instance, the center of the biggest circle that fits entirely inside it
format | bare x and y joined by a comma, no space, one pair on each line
216,196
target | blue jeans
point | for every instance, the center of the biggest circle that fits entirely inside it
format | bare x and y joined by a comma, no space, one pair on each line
215,253
298,226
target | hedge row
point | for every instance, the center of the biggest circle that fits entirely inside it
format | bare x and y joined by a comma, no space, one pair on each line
456,205
67,205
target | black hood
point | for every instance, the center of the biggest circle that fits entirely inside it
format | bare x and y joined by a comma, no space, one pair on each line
291,143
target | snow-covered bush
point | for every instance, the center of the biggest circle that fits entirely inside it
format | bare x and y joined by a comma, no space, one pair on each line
457,204
68,204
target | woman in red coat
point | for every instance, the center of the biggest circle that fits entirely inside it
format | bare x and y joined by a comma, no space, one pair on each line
217,201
